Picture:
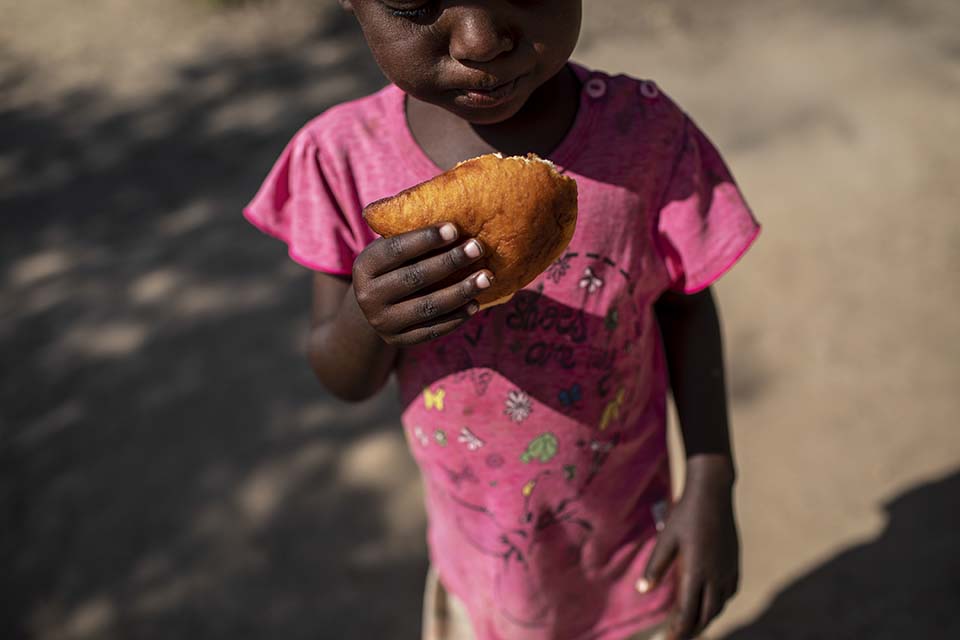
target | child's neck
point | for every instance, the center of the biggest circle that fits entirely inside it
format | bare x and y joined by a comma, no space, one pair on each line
538,127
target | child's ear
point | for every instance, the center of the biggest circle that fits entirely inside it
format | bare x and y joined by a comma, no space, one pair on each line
346,5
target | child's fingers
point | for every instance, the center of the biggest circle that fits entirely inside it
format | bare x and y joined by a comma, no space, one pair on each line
734,586
438,329
687,614
663,554
401,283
386,254
427,309
713,601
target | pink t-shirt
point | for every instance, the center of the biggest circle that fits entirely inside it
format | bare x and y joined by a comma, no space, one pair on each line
539,426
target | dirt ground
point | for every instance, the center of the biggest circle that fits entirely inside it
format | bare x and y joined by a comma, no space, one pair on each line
168,466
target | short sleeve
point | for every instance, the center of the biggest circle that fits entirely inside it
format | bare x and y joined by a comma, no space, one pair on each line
704,225
312,206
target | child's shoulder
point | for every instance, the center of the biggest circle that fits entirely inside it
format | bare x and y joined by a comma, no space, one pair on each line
599,84
628,91
634,123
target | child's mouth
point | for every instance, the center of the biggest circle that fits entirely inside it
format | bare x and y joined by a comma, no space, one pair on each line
487,98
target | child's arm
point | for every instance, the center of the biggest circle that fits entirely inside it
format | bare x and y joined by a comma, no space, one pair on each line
346,355
701,529
356,328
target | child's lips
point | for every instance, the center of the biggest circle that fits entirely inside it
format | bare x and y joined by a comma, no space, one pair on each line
488,97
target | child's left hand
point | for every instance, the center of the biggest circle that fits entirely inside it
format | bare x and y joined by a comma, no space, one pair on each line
702,533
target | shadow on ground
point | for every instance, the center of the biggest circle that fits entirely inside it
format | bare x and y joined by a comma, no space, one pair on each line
903,584
168,466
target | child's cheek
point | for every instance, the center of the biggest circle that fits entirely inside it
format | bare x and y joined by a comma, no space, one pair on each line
409,55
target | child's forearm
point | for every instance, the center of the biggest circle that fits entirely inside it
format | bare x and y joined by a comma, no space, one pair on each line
692,340
701,530
347,356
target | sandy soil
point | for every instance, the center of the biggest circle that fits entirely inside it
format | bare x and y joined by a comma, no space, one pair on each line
168,468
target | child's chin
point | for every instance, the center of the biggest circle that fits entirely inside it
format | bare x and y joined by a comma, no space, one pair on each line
486,116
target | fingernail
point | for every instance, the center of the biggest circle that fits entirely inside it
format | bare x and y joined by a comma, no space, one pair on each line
473,249
472,308
448,232
483,281
643,585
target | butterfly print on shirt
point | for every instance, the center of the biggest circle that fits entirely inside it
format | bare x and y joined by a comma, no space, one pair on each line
433,399
570,397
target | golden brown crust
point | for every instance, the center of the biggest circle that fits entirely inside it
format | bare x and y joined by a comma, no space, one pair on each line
521,209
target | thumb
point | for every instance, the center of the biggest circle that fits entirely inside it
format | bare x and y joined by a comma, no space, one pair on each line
663,554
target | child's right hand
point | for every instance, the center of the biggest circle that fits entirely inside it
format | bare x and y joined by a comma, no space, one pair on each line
390,275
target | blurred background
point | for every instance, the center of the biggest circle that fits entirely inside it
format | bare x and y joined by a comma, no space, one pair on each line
170,469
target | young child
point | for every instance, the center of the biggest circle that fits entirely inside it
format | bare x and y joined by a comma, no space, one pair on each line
538,425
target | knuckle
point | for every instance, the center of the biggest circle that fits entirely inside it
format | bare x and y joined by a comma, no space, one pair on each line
454,258
363,296
467,289
359,267
412,277
394,247
373,250
427,308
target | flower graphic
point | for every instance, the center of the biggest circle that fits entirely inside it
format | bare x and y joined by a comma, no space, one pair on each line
495,461
519,406
421,436
470,439
559,267
590,281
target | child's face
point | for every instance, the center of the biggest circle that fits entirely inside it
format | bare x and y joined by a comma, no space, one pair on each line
479,59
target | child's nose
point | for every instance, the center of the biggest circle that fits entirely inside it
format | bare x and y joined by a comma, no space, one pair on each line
475,35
